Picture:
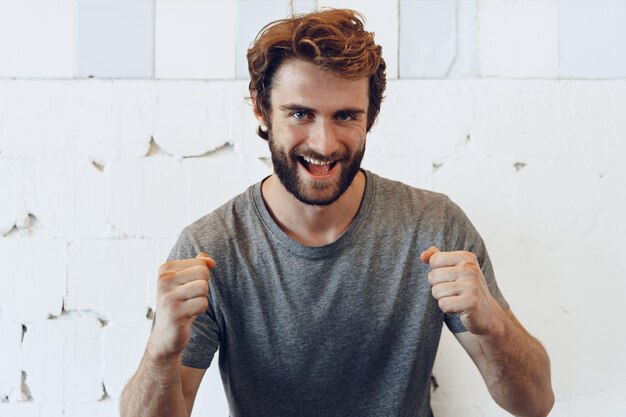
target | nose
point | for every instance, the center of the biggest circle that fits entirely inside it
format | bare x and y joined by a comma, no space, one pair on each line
324,138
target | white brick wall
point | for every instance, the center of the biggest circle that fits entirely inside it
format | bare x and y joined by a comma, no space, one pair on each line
61,360
516,109
187,47
36,38
519,38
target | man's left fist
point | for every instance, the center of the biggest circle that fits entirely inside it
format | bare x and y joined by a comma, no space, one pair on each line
459,287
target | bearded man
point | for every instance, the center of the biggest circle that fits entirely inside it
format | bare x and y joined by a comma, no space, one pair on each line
325,287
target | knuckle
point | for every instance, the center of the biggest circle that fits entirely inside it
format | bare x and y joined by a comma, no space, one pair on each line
469,255
165,277
164,282
467,265
166,267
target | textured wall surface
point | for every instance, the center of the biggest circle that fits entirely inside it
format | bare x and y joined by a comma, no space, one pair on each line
121,122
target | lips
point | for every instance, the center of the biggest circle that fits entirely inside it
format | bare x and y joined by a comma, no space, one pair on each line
316,166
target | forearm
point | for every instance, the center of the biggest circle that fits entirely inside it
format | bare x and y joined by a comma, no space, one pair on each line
517,369
154,391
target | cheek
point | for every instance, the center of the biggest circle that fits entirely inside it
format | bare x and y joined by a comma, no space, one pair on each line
355,133
291,134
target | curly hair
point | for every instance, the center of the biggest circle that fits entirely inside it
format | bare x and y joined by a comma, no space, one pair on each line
334,39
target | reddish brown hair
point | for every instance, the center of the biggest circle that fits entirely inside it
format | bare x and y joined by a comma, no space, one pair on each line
334,39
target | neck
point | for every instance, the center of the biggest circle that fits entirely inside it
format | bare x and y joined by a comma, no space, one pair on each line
312,225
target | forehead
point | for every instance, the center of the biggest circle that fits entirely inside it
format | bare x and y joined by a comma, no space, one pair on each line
300,82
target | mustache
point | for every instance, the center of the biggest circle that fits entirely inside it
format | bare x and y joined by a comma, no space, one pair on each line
308,153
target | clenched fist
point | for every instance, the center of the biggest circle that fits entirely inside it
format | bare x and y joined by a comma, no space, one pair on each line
459,287
182,294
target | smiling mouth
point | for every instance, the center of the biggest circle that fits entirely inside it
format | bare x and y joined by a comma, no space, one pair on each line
317,167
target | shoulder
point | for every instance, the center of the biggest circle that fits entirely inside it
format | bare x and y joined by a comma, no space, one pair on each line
426,212
214,230
402,198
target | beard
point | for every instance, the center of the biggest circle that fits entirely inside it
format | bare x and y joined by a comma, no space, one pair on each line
315,193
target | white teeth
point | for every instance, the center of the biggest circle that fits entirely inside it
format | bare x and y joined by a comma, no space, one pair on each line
315,161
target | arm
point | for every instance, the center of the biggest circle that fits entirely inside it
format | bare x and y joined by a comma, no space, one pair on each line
514,365
162,386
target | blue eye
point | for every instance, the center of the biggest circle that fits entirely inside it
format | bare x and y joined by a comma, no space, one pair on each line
299,114
345,117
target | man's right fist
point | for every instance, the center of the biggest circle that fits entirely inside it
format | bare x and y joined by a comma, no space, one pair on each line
182,294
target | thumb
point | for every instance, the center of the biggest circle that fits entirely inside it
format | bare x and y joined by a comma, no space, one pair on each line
425,256
209,262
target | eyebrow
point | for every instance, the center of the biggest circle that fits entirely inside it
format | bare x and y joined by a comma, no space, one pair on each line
293,107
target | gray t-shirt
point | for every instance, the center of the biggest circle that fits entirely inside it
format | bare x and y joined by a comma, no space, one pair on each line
345,329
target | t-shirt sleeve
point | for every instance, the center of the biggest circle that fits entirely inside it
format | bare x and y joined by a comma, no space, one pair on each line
460,234
204,332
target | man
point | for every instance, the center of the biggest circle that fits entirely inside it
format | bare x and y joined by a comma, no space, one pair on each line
328,285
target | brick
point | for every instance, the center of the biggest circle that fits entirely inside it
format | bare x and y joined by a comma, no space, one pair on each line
469,392
33,278
114,38
146,197
37,38
10,372
50,193
187,46
192,118
380,18
90,201
466,62
111,119
211,400
207,186
122,359
519,38
108,276
600,390
608,227
247,142
69,368
5,106
384,134
524,263
12,195
590,119
67,195
31,409
429,119
481,186
560,221
252,15
407,170
427,38
516,120
592,39
35,117
106,408
546,120
303,6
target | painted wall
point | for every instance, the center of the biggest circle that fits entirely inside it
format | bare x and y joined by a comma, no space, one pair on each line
121,122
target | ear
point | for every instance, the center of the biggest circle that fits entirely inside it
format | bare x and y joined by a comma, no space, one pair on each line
257,113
